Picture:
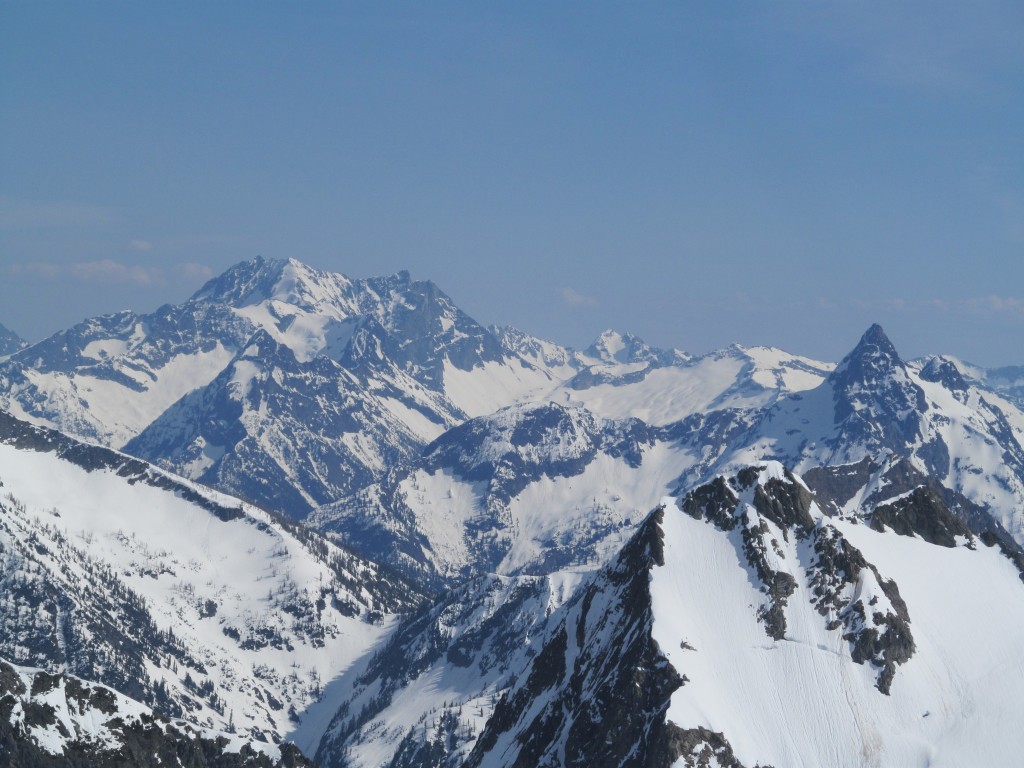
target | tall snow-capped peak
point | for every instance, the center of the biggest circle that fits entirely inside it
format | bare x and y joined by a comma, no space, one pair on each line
873,389
285,280
873,359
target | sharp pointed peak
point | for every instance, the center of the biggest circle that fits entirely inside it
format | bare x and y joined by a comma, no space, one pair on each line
872,355
875,334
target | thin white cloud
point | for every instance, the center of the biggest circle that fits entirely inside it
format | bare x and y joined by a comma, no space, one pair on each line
141,246
192,271
1000,305
110,271
35,269
573,298
22,214
102,271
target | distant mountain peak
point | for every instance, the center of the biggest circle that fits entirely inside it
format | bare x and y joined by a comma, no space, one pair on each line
874,395
616,347
875,334
243,283
945,371
875,341
874,357
10,342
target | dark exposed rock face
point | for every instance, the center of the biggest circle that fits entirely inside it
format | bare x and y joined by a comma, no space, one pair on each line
882,638
784,503
877,634
141,740
701,747
10,342
924,513
714,502
787,504
834,486
943,372
909,502
869,413
604,681
874,395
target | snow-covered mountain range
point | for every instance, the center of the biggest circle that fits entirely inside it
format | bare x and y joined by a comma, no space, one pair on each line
230,386
342,512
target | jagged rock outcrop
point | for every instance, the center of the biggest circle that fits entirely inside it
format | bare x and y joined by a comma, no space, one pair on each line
58,721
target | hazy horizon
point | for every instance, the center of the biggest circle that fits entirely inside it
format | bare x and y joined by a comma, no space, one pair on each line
781,174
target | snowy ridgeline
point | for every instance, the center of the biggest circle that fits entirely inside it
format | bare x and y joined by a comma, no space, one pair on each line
856,635
739,625
301,390
182,598
539,487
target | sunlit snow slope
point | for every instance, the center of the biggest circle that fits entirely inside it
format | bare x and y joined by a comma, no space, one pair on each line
180,597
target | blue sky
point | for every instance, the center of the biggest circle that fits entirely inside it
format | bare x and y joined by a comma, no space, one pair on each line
777,173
